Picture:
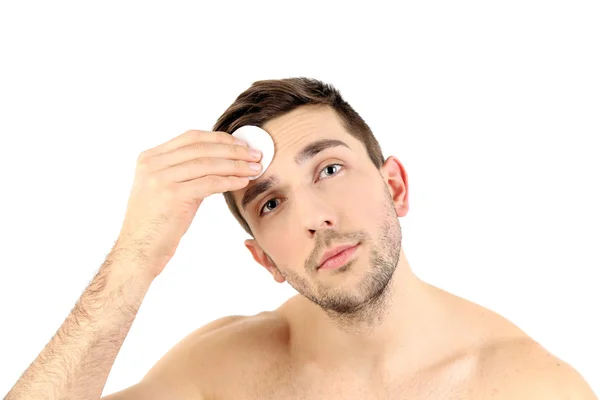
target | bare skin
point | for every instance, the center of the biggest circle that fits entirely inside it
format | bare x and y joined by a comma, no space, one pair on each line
457,350
368,330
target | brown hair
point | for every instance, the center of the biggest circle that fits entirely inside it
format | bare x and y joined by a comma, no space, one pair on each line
268,99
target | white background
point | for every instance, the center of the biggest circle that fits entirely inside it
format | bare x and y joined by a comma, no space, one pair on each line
492,107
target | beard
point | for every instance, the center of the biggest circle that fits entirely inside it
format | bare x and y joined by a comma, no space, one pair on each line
366,303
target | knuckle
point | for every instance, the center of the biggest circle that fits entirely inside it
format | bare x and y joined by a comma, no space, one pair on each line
201,135
202,161
143,165
144,157
212,180
171,192
194,133
239,165
153,181
224,137
228,181
199,145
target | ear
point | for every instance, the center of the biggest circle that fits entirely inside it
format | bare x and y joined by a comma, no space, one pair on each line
263,259
396,179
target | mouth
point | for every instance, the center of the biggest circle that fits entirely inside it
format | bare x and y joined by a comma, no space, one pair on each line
339,259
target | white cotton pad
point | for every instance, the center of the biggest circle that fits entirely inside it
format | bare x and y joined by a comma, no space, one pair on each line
257,138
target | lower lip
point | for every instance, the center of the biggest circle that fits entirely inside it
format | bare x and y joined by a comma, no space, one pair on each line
339,259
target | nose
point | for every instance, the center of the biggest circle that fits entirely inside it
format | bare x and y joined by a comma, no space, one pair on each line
316,212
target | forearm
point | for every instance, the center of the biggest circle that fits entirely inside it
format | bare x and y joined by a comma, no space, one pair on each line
76,362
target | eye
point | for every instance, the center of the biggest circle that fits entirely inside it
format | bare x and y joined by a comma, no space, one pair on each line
271,201
329,166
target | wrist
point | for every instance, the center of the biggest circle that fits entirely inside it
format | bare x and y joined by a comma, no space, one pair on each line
126,265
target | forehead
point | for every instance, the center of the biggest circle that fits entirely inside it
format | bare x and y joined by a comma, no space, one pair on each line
303,125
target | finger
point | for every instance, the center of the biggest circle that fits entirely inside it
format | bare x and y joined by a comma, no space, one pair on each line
193,136
202,150
201,188
200,167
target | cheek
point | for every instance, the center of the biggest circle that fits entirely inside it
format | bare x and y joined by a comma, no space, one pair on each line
281,250
360,203
356,194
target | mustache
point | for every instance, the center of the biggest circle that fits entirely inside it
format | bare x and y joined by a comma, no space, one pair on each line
326,238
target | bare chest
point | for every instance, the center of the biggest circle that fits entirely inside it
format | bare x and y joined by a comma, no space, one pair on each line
418,390
287,383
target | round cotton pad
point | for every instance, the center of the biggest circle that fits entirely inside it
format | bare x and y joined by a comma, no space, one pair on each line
258,139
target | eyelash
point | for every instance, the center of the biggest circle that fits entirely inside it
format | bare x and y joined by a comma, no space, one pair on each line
261,213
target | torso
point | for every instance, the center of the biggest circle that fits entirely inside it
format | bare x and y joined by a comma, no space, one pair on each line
250,359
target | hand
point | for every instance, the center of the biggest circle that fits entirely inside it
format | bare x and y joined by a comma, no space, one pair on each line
171,181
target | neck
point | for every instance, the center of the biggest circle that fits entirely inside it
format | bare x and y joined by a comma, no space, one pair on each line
392,330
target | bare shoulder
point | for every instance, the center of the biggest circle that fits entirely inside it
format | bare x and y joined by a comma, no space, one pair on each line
214,357
212,343
510,364
179,353
228,360
522,368
240,339
174,376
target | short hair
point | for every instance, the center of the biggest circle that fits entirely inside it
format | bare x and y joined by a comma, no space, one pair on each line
268,99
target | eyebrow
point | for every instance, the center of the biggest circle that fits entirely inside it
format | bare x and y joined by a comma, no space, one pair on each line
306,153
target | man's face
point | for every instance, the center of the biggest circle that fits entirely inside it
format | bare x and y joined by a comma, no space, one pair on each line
327,198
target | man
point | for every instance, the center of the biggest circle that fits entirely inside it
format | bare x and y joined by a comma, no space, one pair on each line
323,217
